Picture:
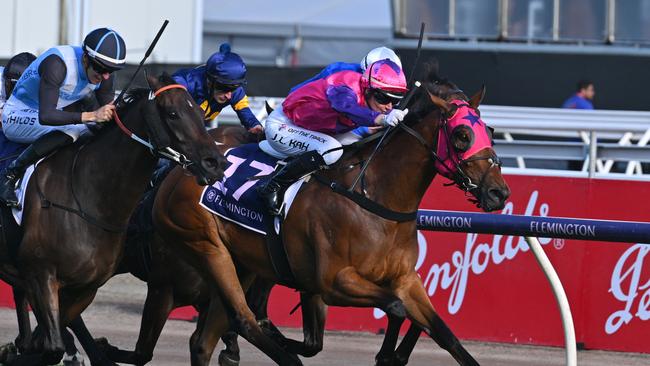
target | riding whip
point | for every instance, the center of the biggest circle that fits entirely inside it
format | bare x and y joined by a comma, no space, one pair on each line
401,105
146,55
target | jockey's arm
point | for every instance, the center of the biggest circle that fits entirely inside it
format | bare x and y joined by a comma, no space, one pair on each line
53,71
240,105
344,100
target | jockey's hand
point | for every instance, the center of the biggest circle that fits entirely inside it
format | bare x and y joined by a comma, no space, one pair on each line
394,117
104,113
256,130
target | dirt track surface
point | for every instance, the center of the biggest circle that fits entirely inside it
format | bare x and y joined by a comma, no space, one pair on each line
115,314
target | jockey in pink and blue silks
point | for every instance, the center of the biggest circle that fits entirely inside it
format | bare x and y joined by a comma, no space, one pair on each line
314,119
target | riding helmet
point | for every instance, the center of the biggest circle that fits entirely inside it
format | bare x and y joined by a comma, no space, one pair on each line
105,47
225,67
387,76
17,65
377,54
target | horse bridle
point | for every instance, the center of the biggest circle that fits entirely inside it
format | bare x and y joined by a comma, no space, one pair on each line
168,152
459,177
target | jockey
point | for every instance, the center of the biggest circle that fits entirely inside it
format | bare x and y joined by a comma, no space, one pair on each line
219,83
309,119
10,74
59,77
374,55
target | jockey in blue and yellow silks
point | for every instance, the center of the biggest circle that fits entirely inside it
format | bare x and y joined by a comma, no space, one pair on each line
218,84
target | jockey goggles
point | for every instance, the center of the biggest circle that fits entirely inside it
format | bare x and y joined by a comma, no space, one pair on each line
98,68
383,98
224,88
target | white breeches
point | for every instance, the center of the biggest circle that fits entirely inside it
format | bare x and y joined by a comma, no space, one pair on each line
284,139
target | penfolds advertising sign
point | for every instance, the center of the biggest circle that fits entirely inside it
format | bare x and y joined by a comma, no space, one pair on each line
490,287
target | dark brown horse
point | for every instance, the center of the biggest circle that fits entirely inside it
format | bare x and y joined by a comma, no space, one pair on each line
328,253
80,200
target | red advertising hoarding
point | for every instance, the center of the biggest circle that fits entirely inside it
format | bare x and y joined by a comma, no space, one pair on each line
489,287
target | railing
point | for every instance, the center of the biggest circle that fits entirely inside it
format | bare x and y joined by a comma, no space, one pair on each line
597,139
532,227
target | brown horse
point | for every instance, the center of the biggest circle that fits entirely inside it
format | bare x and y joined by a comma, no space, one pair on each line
336,249
80,200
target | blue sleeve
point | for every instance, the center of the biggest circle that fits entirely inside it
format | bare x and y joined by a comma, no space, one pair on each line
344,100
180,77
362,131
239,103
329,70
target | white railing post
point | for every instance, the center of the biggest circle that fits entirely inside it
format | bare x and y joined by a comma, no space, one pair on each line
560,296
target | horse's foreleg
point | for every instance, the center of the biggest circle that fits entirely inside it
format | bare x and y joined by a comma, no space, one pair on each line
215,259
387,351
314,312
403,352
22,315
96,356
43,291
422,313
213,321
257,298
157,306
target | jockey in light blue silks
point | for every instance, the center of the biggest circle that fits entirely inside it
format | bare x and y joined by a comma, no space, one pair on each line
218,84
59,77
315,116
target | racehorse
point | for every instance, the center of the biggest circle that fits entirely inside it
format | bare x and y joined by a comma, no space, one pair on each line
336,249
80,200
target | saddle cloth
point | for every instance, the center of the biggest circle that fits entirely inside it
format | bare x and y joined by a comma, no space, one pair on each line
235,197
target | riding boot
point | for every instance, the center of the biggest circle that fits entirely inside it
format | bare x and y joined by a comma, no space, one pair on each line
43,146
295,169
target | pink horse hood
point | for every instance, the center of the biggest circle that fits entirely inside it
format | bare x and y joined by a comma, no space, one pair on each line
466,116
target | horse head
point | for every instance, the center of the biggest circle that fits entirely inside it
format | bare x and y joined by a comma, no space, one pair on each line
175,127
460,143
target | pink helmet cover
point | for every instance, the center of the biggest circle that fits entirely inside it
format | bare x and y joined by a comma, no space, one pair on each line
385,75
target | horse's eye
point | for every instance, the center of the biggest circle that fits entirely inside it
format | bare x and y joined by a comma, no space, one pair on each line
172,114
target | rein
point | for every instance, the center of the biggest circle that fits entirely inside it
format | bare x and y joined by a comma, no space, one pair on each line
168,152
459,177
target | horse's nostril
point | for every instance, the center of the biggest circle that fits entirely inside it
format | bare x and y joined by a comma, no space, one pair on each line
498,194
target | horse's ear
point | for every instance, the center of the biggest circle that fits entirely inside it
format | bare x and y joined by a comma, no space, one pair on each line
440,103
153,82
477,98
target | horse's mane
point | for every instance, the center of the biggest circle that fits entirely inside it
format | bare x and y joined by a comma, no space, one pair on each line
132,96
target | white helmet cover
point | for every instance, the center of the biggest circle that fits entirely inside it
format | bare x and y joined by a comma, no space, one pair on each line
379,53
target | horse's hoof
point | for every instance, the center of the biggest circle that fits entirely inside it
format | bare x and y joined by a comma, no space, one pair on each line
227,360
73,360
8,352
